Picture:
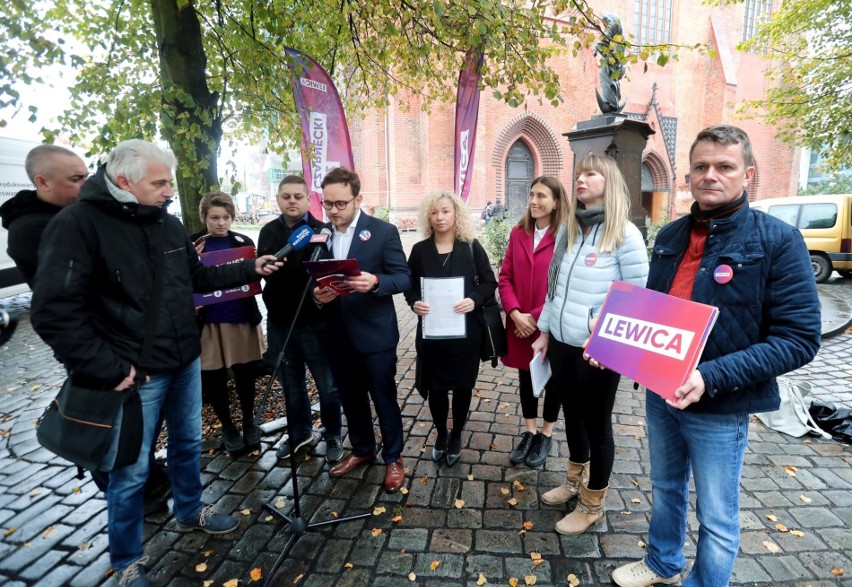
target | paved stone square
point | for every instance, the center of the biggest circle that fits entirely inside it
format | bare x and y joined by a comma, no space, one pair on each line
481,517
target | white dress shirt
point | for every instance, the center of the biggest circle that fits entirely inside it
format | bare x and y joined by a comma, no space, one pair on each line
538,234
343,240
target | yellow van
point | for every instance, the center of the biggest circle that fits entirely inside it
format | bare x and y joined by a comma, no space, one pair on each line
826,224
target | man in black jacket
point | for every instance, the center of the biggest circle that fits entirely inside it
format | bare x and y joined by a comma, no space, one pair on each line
93,289
57,174
282,296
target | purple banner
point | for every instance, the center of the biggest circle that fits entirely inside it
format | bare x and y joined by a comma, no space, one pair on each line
467,113
224,257
325,136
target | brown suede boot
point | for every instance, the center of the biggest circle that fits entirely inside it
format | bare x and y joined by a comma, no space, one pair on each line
577,473
588,511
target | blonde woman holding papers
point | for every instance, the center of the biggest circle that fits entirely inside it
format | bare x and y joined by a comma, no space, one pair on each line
449,364
595,246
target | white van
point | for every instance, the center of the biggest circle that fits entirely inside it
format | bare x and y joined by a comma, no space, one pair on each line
13,178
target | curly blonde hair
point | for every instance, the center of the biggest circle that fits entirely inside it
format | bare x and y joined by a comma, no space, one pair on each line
464,225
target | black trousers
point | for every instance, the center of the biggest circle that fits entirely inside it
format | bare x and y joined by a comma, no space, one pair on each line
588,395
529,402
361,377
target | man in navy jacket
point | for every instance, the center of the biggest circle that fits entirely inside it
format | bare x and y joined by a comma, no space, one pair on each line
362,326
756,270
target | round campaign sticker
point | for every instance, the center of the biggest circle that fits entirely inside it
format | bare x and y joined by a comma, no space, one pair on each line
723,274
364,235
591,259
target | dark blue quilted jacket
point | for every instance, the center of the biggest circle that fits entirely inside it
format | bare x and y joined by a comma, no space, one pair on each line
769,321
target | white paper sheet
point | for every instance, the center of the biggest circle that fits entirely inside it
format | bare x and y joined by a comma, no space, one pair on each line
539,373
441,293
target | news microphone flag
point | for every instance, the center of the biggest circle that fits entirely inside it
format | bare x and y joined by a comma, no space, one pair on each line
467,114
653,338
224,257
325,136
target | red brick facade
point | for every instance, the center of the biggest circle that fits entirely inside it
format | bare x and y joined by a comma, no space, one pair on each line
404,153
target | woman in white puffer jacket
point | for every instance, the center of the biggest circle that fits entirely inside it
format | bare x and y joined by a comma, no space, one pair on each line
595,246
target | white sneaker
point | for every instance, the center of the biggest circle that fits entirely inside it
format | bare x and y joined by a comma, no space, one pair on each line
639,575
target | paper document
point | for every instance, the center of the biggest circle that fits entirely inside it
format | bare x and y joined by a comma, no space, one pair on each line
539,373
441,293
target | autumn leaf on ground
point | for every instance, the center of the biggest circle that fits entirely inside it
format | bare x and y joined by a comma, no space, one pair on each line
504,490
397,518
424,480
771,518
797,533
75,490
376,532
481,580
207,553
538,562
502,406
470,477
9,532
268,518
512,502
245,512
4,432
207,583
378,510
634,482
256,574
805,498
296,580
530,579
334,515
422,449
513,582
280,503
435,565
412,577
492,446
781,528
635,500
35,492
536,556
404,490
626,513
478,394
517,485
791,470
459,503
201,567
771,546
837,571
807,441
640,544
85,546
348,566
49,531
528,525
573,581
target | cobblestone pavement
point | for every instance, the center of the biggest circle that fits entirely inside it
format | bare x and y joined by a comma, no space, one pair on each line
480,517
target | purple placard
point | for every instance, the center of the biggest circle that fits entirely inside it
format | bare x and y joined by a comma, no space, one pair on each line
224,257
325,136
653,338
467,113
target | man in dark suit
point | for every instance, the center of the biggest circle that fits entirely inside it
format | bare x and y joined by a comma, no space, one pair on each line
362,326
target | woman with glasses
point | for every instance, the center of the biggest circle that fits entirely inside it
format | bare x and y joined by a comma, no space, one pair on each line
230,336
595,245
523,285
449,364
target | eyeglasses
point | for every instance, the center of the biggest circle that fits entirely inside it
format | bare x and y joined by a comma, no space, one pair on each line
339,204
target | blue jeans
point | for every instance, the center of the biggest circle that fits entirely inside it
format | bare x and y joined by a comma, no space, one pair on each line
306,347
713,446
178,395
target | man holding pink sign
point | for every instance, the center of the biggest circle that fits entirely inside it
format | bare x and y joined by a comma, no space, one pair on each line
755,269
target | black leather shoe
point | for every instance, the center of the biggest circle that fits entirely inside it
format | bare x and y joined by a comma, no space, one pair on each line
454,450
519,455
539,450
440,448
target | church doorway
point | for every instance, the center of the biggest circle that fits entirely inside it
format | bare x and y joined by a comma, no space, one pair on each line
520,172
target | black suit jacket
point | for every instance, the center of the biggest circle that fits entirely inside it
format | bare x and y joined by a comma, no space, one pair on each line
367,321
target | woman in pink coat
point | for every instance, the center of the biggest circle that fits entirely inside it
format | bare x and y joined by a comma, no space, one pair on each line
523,285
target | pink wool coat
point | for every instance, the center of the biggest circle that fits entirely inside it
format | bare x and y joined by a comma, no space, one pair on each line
523,286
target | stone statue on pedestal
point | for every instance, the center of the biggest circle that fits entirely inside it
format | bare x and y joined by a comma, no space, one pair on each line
609,97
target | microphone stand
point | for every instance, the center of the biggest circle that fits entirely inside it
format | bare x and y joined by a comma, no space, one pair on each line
297,524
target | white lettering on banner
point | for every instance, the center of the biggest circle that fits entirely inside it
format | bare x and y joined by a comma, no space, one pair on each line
657,338
314,85
319,148
463,158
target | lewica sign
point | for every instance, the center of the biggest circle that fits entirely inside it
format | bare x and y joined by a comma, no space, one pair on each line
650,336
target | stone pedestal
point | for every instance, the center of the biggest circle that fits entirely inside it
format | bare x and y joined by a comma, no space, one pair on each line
623,139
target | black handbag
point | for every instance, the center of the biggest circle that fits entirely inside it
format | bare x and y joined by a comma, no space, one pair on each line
494,344
101,429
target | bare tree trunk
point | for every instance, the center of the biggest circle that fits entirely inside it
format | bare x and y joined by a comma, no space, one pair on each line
191,118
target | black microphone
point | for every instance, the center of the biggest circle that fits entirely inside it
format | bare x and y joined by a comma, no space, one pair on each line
297,241
322,242
8,322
